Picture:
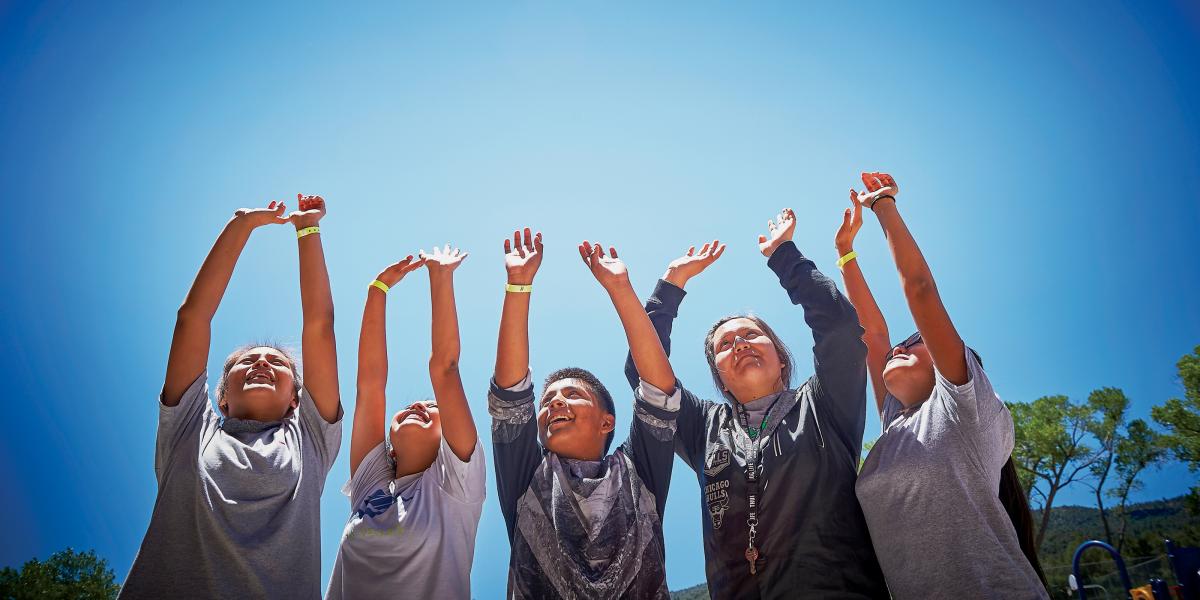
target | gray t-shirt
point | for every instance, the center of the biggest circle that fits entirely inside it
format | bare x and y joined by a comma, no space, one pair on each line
930,492
238,512
412,537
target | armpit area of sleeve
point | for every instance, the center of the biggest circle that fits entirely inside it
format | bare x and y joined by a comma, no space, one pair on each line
976,394
308,409
195,394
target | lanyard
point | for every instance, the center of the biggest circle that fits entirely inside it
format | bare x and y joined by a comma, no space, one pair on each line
752,554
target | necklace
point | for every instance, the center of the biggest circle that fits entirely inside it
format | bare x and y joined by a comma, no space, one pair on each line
754,433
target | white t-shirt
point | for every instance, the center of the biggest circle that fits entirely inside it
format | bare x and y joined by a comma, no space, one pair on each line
412,537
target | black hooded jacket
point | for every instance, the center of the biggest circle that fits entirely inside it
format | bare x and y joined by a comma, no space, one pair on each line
812,537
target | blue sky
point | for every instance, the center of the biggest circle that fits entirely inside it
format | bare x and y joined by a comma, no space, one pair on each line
1048,158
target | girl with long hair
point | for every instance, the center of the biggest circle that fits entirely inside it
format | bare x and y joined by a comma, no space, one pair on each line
939,490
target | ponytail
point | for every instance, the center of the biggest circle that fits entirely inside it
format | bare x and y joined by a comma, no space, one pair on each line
1016,504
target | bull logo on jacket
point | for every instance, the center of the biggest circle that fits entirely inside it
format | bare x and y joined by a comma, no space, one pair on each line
716,496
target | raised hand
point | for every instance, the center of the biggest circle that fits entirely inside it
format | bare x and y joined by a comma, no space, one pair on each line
778,231
609,270
257,217
396,271
312,208
878,186
442,260
691,264
522,256
851,223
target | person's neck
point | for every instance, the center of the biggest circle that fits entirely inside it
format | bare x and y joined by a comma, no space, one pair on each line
751,394
411,465
592,455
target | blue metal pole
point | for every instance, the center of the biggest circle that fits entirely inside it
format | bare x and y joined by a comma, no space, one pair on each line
1116,557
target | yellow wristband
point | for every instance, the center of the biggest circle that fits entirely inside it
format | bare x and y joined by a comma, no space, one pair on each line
307,231
383,287
851,255
521,289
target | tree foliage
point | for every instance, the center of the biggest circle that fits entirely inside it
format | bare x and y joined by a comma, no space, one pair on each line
1140,448
1108,406
1181,418
67,574
1051,446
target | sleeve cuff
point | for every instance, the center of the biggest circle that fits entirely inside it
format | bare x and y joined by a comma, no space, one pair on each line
514,392
668,296
659,399
785,255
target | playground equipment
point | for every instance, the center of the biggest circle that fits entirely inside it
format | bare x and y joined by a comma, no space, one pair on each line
1185,562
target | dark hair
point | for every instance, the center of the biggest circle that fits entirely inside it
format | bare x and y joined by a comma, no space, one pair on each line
917,335
785,355
223,383
1016,504
601,392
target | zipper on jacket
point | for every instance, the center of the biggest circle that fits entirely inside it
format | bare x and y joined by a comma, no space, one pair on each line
817,420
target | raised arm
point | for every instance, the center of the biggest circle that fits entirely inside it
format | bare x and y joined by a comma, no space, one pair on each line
839,354
458,426
193,332
875,330
662,310
522,257
316,341
370,406
937,330
515,449
648,355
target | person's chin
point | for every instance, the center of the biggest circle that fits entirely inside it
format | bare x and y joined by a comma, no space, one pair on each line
559,444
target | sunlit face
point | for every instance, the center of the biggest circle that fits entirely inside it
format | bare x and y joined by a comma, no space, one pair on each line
746,359
417,430
260,386
908,374
572,421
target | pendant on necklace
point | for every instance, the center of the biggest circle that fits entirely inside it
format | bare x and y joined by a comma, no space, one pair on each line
752,433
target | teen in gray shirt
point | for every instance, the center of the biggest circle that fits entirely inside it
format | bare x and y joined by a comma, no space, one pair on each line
238,507
930,487
415,499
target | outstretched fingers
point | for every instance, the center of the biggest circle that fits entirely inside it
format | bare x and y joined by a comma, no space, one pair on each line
516,243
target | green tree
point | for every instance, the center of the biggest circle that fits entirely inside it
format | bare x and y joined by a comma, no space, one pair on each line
1140,448
67,574
1108,406
1181,418
1051,435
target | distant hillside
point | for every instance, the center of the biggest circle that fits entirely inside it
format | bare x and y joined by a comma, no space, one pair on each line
1144,553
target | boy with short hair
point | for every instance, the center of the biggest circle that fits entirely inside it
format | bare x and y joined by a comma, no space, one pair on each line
581,524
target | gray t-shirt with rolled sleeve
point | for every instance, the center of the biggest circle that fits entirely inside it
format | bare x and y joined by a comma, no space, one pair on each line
930,492
238,512
412,537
